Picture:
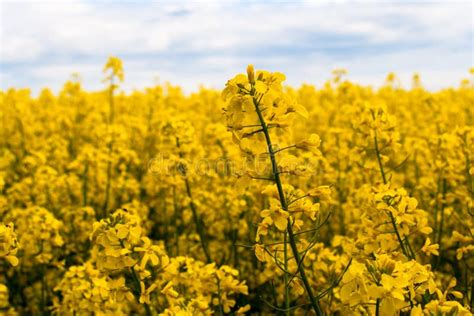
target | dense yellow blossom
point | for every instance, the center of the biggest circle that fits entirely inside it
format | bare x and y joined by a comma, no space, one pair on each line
260,199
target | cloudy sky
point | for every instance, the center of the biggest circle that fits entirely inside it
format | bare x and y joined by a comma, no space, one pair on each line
206,42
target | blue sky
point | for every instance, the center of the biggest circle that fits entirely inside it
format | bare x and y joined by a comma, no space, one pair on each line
206,42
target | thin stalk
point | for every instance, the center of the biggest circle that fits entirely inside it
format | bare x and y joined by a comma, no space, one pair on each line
110,148
105,207
287,287
377,307
408,253
281,194
198,223
379,158
392,219
196,218
219,294
136,281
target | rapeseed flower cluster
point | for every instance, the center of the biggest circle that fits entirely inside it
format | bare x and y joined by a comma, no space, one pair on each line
260,199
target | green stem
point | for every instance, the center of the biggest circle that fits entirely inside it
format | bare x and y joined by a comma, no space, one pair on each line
136,281
110,148
384,178
287,287
196,217
219,293
281,194
105,207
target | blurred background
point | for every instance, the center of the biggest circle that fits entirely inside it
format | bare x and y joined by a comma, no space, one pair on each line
206,42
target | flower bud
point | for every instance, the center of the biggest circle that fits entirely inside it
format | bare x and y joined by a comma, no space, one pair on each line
251,74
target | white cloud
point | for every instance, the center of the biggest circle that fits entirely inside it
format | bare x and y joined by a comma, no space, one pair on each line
206,42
